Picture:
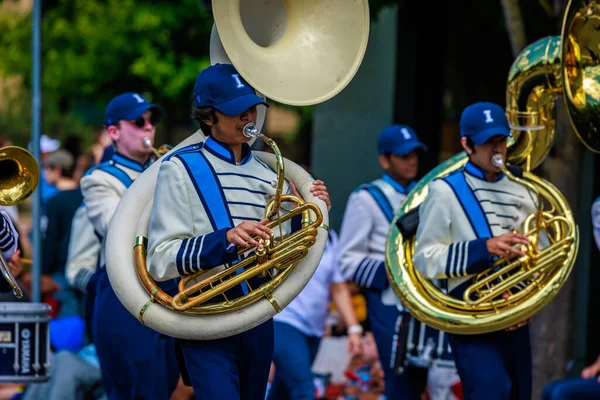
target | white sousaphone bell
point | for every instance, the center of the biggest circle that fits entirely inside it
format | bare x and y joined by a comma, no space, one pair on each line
294,52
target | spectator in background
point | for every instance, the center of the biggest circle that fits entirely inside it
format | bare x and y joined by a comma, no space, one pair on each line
300,326
60,209
82,161
101,142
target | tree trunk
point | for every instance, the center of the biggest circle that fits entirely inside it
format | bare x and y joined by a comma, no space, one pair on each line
514,25
551,340
551,330
552,333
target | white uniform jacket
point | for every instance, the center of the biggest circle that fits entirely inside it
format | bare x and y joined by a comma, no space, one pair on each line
9,237
103,187
365,226
201,193
84,251
459,214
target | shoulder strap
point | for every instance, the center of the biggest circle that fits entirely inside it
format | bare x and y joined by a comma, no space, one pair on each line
210,192
186,149
469,203
114,171
208,188
381,200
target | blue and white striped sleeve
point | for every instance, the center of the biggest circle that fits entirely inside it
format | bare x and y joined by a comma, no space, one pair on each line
437,255
356,261
176,247
9,237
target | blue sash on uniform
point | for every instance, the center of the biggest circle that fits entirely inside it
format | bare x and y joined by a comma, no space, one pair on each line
118,173
210,192
381,200
470,204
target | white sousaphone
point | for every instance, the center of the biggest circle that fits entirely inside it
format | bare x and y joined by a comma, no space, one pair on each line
296,53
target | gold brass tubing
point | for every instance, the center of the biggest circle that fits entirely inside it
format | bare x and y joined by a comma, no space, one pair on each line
237,279
266,291
280,175
146,280
8,276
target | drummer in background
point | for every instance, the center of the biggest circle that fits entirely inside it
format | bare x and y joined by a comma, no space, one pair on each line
369,212
9,239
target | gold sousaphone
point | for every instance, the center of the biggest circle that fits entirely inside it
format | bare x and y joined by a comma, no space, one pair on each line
297,53
19,176
568,66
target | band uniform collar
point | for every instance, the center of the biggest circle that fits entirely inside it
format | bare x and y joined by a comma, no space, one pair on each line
127,162
224,152
475,171
397,185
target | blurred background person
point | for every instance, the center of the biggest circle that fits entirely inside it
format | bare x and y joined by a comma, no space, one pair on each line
300,327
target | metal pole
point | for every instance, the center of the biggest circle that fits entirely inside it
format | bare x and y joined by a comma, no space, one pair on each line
36,119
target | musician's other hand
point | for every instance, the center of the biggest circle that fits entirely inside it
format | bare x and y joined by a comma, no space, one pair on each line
319,190
242,234
592,370
519,325
502,246
15,264
355,344
505,296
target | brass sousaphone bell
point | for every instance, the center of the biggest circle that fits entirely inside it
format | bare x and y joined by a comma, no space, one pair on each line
293,52
567,65
19,176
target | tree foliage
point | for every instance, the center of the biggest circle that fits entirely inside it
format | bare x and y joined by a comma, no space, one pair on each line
93,50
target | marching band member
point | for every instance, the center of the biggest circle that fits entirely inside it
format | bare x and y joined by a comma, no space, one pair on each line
209,198
465,221
136,361
9,240
367,218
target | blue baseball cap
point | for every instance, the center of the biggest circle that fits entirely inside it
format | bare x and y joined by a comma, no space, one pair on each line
481,121
128,106
221,86
399,140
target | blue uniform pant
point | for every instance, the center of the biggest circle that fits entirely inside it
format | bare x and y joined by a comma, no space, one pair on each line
383,319
494,366
136,362
572,389
232,368
293,356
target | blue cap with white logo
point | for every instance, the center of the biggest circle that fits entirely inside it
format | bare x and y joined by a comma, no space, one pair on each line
399,140
220,86
482,121
128,106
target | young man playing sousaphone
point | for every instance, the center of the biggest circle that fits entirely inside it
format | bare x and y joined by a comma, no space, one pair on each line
209,201
466,222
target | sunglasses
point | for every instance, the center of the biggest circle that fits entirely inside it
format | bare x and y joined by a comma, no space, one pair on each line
141,121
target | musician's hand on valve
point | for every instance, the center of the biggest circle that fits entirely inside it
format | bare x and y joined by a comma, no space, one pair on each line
502,246
242,234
